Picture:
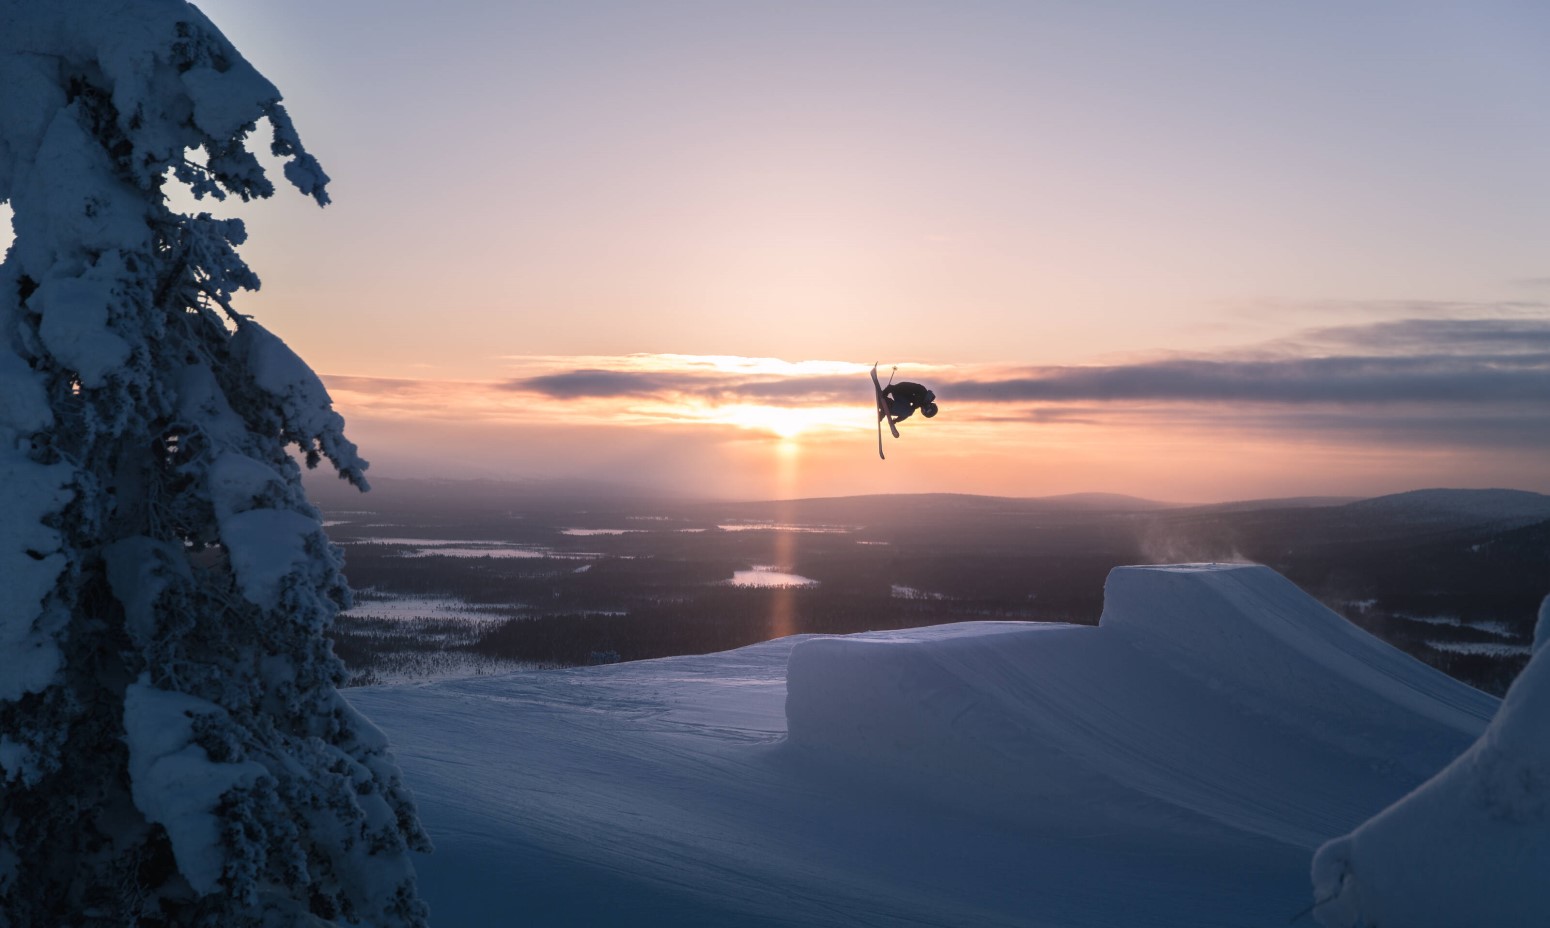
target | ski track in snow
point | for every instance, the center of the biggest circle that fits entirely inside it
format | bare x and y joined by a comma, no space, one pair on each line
1176,765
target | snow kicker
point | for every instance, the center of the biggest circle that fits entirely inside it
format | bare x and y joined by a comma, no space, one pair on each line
1208,697
1174,766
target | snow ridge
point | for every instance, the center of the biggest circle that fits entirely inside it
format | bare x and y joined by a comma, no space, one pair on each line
1177,765
1206,691
1471,845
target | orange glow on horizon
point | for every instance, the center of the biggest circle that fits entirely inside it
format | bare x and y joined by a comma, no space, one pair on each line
782,422
768,429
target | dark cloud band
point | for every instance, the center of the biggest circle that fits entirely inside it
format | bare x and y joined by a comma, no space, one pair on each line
582,384
1518,378
1437,336
1305,380
1439,361
603,384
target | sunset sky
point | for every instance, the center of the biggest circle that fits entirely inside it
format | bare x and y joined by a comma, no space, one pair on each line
1185,250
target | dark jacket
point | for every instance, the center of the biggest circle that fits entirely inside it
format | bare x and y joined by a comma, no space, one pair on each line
905,397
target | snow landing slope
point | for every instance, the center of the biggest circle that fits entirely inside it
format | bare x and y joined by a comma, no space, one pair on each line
1176,765
1470,846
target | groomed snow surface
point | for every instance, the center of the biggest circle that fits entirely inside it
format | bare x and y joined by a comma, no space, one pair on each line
1179,764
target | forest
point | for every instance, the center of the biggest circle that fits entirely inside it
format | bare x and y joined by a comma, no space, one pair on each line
488,576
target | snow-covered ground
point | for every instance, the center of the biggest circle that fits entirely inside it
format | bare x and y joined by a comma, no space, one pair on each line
1176,765
1471,845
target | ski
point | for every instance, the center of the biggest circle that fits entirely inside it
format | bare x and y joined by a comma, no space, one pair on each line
882,412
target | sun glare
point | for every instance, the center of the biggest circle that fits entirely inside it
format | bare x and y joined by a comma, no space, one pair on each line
783,422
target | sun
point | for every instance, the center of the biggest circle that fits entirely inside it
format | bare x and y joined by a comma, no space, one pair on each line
785,422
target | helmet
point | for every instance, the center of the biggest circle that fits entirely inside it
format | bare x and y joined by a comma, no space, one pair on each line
928,410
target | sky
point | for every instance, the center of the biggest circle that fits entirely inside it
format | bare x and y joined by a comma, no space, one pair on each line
1192,251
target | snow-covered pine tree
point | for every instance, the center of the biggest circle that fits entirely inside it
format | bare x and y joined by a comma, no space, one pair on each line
173,747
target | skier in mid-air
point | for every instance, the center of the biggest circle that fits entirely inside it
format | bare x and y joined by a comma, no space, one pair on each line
897,402
905,397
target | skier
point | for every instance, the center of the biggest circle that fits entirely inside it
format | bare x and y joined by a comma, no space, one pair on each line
905,397
897,402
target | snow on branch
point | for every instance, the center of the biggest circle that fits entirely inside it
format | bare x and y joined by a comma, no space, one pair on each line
306,411
153,525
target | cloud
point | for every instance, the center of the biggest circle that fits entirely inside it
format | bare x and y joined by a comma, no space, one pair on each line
694,399
1280,310
383,385
1417,382
1050,415
708,386
607,383
1434,336
1415,360
1525,431
1406,361
1340,380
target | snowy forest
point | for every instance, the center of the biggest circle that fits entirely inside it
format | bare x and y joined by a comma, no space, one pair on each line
761,714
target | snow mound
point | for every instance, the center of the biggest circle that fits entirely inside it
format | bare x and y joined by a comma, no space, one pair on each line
1175,766
1471,846
1208,697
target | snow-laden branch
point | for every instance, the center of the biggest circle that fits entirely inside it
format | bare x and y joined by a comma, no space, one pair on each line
173,741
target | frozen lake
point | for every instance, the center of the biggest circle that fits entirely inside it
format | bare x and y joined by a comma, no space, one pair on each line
769,576
407,608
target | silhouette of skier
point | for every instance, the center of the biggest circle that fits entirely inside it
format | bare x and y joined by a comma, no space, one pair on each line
897,402
905,397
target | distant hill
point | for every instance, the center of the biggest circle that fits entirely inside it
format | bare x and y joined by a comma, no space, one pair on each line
936,509
1069,502
1113,502
1493,507
1287,502
1498,507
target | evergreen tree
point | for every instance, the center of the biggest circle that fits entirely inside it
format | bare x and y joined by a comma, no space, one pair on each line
173,746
